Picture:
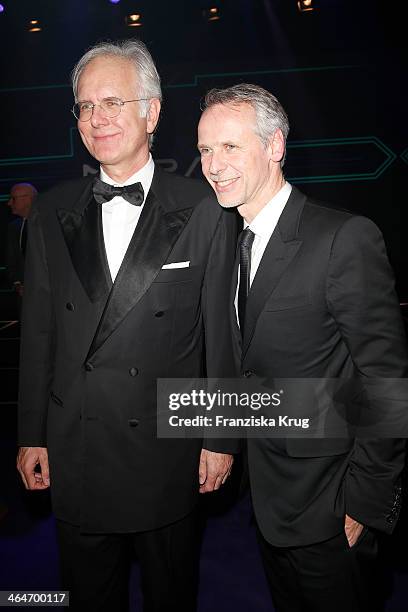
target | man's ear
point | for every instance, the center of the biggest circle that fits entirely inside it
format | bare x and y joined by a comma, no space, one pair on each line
153,114
277,146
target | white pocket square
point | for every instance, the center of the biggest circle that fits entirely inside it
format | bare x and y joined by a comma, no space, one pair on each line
177,264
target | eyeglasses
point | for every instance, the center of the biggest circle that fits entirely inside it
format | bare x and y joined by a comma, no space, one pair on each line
110,107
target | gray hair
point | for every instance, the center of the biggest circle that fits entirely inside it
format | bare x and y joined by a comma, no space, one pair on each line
134,51
269,112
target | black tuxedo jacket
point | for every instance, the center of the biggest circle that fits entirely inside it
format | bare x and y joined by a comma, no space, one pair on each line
14,253
322,304
91,352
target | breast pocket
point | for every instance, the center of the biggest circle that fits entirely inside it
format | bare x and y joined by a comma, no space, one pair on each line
177,275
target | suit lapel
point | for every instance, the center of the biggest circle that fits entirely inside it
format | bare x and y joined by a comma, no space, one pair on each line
83,234
155,235
280,251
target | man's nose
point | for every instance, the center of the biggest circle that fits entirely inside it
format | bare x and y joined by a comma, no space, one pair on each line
98,117
217,163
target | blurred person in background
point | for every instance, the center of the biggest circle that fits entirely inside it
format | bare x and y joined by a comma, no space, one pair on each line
22,196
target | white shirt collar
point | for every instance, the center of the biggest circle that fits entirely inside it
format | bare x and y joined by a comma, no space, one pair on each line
269,215
144,176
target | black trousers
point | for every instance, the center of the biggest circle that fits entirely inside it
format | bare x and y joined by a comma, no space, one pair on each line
95,568
325,577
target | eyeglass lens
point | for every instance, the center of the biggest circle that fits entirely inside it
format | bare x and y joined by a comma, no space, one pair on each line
109,107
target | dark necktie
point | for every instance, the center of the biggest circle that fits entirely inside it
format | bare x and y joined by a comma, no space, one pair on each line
245,246
104,193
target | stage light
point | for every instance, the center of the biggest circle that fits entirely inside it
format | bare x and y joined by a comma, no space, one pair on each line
305,6
212,13
134,20
34,25
1,8
114,1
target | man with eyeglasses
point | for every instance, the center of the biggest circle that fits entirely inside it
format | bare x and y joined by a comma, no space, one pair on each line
128,272
20,201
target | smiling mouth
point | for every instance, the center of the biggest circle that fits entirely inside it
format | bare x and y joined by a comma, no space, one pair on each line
226,182
106,137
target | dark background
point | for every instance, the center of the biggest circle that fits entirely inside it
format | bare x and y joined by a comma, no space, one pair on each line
339,71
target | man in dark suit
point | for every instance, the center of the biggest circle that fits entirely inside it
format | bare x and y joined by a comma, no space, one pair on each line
21,198
126,277
315,300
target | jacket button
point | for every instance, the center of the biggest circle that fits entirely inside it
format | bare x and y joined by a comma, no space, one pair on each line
69,306
248,373
89,366
159,314
133,371
133,422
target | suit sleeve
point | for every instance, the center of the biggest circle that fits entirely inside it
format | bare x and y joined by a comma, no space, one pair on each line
362,300
220,359
36,354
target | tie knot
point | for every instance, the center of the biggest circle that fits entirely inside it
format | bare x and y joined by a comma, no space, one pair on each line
247,238
131,193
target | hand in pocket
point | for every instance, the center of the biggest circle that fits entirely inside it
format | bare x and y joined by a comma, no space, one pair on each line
353,530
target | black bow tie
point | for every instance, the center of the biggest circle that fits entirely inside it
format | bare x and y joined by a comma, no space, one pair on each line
104,193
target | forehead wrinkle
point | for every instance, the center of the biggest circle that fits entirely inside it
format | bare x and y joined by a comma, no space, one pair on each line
111,75
244,117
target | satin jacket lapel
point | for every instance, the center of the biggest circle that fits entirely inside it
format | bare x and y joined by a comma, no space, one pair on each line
154,237
83,234
280,251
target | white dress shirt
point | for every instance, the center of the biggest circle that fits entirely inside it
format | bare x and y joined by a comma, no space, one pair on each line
263,227
264,224
119,218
